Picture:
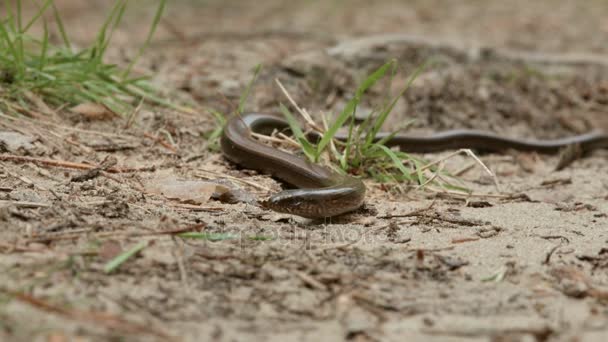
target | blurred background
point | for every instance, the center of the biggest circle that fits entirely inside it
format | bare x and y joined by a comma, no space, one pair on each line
207,51
553,25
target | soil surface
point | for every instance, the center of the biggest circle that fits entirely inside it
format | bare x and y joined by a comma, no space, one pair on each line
521,259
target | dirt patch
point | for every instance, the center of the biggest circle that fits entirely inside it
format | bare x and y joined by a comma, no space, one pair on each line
524,259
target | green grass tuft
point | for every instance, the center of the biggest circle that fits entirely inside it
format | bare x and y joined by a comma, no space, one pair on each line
58,74
362,154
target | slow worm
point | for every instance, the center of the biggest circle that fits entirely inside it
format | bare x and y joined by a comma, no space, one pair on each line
322,192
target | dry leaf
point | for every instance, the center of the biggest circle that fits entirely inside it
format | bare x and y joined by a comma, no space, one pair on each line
94,111
188,191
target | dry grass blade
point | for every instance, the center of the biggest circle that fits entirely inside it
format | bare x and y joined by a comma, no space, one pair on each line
309,121
470,154
66,164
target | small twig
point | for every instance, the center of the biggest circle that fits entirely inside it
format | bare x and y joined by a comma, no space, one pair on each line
461,240
106,164
302,112
424,249
564,241
289,139
161,142
76,144
243,181
169,136
275,140
310,281
552,237
415,212
550,253
470,154
454,220
63,127
67,164
456,193
463,169
194,207
136,110
439,169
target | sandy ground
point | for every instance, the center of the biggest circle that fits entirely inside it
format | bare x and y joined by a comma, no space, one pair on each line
522,260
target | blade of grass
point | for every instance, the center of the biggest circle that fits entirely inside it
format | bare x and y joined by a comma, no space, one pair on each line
421,179
59,21
349,143
307,147
350,107
245,94
19,15
144,46
396,161
36,16
19,41
213,136
219,117
6,37
123,257
207,236
115,18
384,114
10,18
45,47
103,37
